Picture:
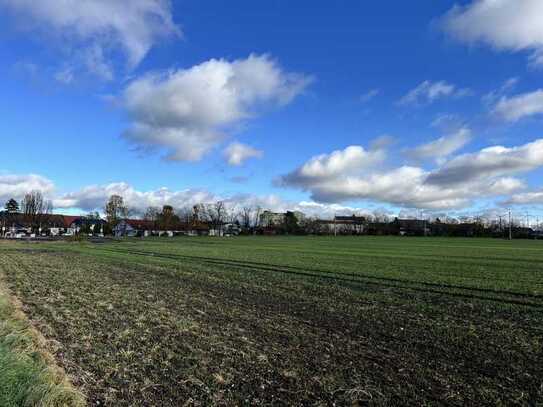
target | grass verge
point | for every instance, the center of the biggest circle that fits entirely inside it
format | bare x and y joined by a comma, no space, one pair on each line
28,375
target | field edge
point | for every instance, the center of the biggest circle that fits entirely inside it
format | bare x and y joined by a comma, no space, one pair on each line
29,374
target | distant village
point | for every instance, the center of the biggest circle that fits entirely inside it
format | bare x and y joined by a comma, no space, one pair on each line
33,218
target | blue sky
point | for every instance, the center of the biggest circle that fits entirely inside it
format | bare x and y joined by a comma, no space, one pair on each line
275,103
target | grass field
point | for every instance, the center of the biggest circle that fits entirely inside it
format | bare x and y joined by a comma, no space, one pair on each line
289,320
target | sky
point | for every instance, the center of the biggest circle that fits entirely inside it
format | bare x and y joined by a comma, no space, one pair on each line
325,107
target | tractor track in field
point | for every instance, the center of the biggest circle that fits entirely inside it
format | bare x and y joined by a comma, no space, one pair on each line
354,278
445,274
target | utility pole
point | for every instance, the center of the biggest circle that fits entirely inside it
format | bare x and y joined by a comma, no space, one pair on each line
510,230
421,214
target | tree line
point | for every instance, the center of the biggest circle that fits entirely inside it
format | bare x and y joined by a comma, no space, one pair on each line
216,215
35,212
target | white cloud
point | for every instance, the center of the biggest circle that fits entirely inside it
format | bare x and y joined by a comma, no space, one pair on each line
190,111
490,162
502,24
428,92
441,147
520,106
403,186
93,29
338,163
526,198
456,184
16,186
237,153
93,198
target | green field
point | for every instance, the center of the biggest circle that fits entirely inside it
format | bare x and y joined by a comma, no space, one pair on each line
289,320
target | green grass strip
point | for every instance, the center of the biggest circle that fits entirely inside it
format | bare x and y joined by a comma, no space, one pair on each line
28,376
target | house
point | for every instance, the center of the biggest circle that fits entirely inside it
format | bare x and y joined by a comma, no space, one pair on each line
197,228
227,229
67,225
145,228
84,223
63,225
11,224
17,224
134,227
351,225
343,225
524,233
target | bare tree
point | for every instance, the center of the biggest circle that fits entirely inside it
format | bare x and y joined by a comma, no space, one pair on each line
36,210
152,214
216,215
246,217
256,217
200,213
115,210
186,218
313,226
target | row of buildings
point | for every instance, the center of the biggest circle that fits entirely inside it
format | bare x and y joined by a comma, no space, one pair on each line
145,228
17,226
359,225
20,226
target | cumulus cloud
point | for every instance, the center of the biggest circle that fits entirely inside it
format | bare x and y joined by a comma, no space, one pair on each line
520,106
502,24
456,184
441,147
93,198
428,92
237,153
190,111
16,186
489,162
93,29
330,166
405,186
